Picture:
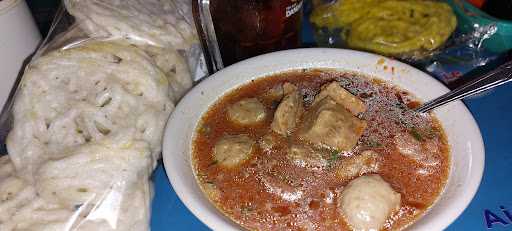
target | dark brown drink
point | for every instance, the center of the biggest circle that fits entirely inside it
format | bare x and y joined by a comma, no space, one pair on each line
246,28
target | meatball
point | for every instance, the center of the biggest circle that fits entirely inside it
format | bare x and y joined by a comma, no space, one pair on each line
367,202
231,151
247,111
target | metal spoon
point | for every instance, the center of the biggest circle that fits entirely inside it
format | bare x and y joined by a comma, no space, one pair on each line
207,33
492,79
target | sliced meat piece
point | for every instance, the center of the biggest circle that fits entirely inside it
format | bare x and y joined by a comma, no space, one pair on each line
231,151
367,202
281,186
288,112
275,93
423,152
306,157
289,88
341,97
330,124
247,111
358,165
268,142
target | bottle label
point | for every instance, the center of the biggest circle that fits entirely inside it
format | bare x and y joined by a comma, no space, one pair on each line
293,8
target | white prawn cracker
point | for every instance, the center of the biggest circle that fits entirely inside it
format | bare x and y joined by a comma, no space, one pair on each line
83,94
161,28
88,124
142,22
22,207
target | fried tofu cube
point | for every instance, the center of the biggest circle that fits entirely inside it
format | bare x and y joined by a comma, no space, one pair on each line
341,97
288,112
330,124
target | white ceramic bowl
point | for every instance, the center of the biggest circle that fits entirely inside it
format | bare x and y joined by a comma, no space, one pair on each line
467,150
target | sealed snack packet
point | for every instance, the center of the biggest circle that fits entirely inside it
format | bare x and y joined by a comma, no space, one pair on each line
446,38
406,29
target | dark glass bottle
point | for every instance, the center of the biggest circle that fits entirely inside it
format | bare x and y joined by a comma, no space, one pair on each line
246,28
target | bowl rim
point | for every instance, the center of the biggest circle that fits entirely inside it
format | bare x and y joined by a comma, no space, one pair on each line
219,83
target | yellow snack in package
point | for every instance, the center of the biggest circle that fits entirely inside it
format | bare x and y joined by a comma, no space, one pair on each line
390,27
342,12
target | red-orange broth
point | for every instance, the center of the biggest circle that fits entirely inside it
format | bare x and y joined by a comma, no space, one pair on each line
240,192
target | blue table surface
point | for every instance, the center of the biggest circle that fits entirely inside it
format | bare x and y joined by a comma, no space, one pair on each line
487,211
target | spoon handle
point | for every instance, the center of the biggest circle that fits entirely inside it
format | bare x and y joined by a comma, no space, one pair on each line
492,79
208,31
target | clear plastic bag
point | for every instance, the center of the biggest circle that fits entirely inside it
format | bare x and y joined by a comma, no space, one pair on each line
90,112
436,36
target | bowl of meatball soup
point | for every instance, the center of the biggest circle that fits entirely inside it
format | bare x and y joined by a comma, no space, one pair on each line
322,139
